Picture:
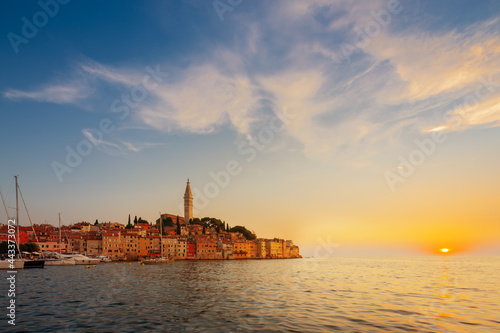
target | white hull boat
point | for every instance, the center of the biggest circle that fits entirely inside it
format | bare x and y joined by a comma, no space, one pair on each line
158,261
60,262
103,259
80,259
18,264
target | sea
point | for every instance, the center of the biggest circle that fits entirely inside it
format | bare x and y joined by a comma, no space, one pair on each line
391,294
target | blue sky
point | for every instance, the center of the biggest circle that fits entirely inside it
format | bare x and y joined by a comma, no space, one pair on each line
316,101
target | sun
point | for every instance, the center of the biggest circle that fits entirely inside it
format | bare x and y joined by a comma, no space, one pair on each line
445,250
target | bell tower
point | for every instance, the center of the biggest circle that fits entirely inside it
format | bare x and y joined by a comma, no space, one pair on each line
188,204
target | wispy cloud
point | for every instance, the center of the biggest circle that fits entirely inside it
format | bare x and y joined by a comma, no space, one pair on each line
430,65
201,100
112,75
292,60
58,94
116,146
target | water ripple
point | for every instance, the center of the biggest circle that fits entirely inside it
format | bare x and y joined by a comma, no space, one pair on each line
308,295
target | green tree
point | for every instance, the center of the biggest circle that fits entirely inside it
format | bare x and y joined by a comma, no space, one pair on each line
204,230
242,230
96,222
4,247
129,225
29,247
140,220
168,222
178,226
135,220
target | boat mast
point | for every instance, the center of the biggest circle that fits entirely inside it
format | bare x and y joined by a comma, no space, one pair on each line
4,205
17,220
161,238
60,249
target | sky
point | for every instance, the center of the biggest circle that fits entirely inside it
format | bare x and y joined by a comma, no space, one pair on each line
350,127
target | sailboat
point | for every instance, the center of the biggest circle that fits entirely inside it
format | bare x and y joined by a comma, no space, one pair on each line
11,263
79,258
37,263
162,259
18,263
59,261
8,264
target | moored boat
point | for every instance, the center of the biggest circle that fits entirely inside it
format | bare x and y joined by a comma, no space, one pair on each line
103,258
80,259
33,263
60,262
57,260
161,259
157,261
6,264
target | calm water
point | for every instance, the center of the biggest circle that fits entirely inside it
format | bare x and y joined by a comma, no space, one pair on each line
303,295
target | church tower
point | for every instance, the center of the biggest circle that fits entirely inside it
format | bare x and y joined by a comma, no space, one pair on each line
188,204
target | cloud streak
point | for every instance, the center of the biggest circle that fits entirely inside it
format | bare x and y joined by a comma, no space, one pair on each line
57,94
401,79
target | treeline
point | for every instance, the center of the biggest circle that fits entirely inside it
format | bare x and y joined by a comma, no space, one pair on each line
206,222
136,220
25,247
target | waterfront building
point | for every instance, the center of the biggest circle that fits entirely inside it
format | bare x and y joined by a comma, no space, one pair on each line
205,247
93,244
240,249
294,252
218,252
252,249
155,244
181,248
144,245
227,248
76,243
261,248
169,246
190,249
112,245
281,249
273,248
130,245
